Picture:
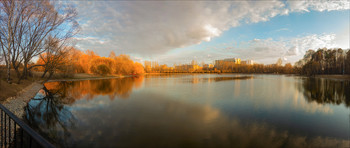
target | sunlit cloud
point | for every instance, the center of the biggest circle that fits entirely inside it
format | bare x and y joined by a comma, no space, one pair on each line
292,49
151,29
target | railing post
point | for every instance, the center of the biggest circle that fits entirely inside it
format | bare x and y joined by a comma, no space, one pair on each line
15,135
32,136
5,132
2,125
9,131
22,135
1,129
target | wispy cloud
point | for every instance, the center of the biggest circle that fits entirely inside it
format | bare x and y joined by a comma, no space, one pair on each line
282,29
154,28
291,49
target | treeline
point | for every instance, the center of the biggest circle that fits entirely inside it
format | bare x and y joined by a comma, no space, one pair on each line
322,61
325,61
228,68
76,61
257,68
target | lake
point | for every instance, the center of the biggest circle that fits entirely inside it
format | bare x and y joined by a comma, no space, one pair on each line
194,110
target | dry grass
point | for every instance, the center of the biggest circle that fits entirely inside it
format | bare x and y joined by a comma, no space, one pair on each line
10,90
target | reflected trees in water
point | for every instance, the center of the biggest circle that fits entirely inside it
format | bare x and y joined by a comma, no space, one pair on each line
77,121
47,111
88,89
326,91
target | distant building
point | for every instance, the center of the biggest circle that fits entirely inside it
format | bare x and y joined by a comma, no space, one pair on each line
148,64
219,64
279,62
194,62
250,62
247,62
151,66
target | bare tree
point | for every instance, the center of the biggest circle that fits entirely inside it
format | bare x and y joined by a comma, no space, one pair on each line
7,28
26,24
55,55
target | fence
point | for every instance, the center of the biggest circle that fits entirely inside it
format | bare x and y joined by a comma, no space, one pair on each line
15,133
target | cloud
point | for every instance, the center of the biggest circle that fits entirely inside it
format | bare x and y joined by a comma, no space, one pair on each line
321,5
291,49
265,51
282,29
154,28
157,27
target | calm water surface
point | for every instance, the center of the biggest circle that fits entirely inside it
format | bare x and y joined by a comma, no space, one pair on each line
183,110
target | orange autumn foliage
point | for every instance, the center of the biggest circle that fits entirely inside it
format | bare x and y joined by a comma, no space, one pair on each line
90,62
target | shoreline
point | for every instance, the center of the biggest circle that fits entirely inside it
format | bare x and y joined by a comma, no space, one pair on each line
332,77
17,103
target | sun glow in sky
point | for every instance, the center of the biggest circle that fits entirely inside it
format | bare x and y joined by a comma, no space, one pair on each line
180,31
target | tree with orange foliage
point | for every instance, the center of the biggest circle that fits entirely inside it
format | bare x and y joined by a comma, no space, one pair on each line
101,65
54,57
90,62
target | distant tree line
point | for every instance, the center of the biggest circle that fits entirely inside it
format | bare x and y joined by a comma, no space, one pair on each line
325,61
227,67
322,61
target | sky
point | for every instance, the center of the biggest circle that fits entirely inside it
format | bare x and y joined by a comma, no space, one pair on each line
177,32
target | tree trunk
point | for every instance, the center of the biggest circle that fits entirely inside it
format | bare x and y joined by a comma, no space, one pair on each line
8,73
42,76
25,70
24,73
8,64
50,75
16,70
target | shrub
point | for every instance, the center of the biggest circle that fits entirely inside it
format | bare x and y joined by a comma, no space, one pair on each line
103,69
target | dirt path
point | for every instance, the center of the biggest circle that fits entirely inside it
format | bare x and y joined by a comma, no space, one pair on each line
17,103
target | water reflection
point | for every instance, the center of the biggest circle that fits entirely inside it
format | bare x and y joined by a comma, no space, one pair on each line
198,79
235,114
48,114
178,124
88,89
326,91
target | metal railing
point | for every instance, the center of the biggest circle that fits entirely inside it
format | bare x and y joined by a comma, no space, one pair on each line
15,133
